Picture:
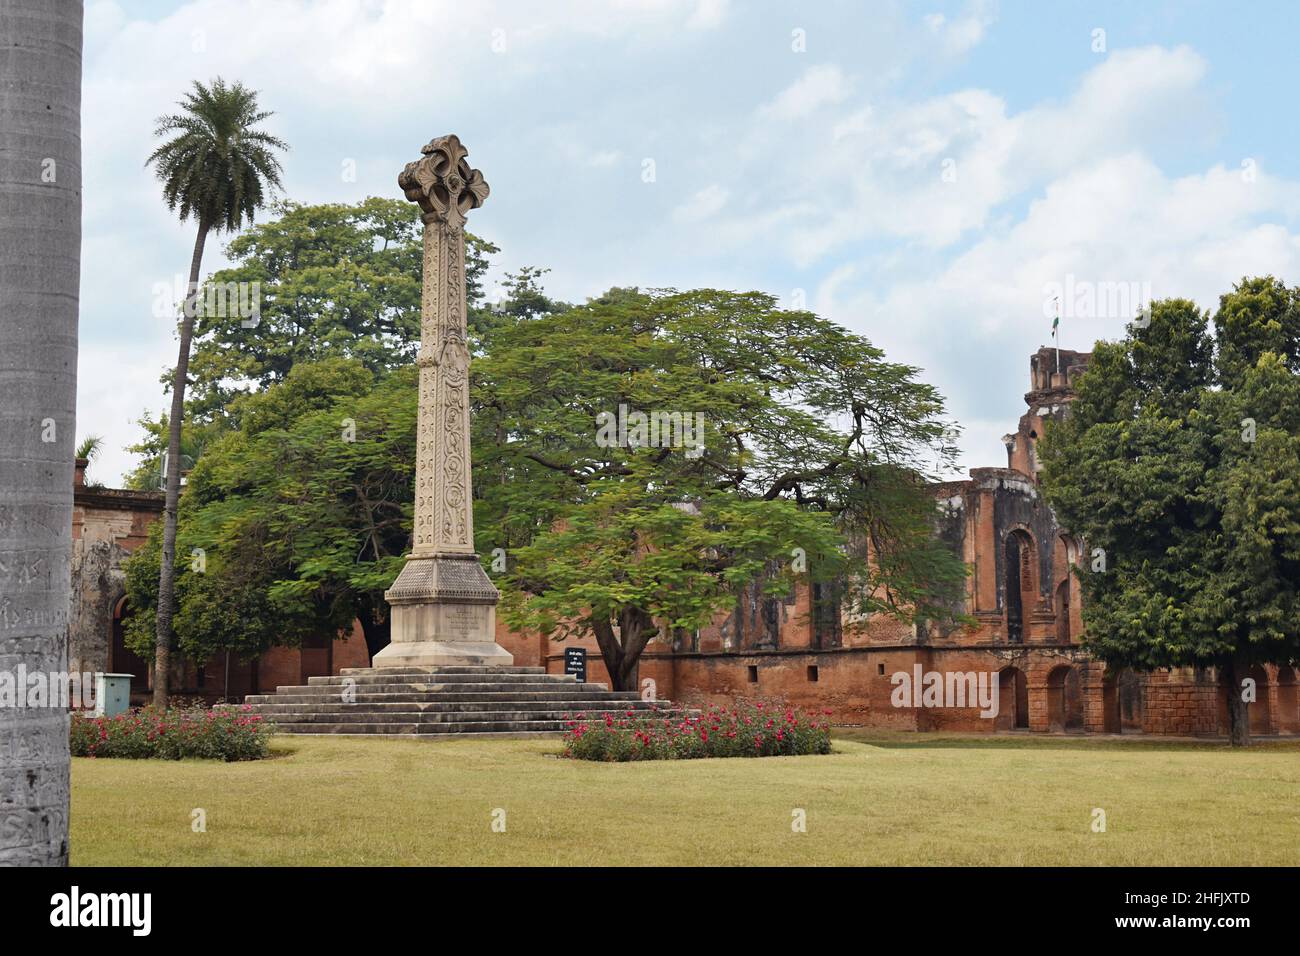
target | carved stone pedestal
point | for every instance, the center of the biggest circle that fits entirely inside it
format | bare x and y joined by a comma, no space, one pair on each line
443,612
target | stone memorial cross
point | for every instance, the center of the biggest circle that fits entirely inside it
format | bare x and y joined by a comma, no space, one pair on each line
443,604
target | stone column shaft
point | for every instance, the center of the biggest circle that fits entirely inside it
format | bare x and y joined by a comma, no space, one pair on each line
444,511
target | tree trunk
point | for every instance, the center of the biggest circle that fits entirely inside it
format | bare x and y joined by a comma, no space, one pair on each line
167,562
40,269
622,653
1238,716
378,634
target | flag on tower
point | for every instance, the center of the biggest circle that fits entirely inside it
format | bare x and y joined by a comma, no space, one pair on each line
1056,325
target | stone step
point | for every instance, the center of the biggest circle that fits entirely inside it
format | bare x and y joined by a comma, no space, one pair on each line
398,687
404,677
453,701
446,669
424,717
276,706
293,695
555,727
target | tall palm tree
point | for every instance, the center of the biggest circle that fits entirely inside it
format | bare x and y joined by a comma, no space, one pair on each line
215,167
40,268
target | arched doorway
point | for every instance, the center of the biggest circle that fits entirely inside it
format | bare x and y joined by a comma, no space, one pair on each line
1109,703
1019,562
1013,700
1131,702
1123,707
1258,710
1288,701
121,659
1064,700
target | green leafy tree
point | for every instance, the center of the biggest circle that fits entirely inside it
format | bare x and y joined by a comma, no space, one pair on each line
215,166
336,280
297,521
809,460
150,474
1180,461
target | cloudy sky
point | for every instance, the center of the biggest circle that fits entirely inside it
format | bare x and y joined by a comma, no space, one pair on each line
925,174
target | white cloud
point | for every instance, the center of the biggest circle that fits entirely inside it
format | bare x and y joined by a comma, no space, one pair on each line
936,170
973,323
819,86
116,383
703,205
708,15
963,33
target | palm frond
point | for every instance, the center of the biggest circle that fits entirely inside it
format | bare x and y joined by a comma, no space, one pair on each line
214,164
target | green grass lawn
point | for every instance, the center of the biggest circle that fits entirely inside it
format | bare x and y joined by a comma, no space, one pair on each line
880,798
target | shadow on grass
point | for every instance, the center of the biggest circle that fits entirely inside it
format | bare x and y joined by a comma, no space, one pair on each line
279,750
903,740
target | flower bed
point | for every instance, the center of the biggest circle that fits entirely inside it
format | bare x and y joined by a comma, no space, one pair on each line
749,729
174,734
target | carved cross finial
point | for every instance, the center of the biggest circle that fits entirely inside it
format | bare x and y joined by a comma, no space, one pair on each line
443,183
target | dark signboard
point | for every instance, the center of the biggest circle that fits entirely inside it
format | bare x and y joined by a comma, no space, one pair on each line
575,663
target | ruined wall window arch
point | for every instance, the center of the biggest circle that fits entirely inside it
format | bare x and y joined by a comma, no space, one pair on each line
1021,581
1066,593
1063,611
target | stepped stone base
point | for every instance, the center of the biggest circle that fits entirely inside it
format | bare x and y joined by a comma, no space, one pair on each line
453,700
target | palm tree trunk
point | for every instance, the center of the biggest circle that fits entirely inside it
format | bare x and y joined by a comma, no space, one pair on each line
167,563
40,268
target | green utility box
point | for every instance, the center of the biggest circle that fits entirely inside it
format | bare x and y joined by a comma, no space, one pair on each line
112,694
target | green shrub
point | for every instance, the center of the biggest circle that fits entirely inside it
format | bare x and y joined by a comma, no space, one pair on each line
174,734
749,729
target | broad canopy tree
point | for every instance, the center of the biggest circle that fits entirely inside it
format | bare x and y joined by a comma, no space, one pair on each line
1180,461
794,451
